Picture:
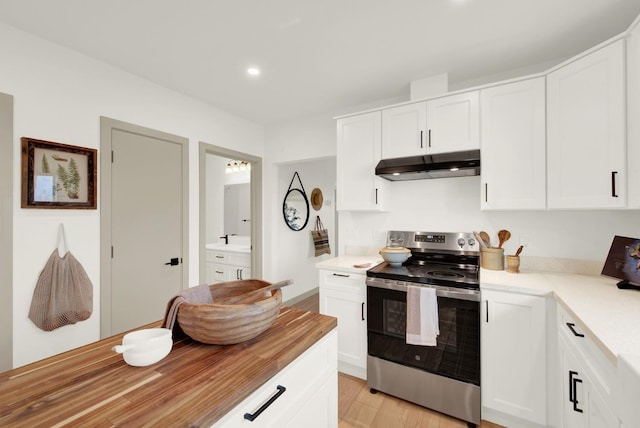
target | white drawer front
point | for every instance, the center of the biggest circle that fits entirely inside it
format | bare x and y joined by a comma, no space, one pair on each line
300,379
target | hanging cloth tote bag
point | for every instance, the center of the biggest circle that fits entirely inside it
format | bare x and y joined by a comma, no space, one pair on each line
320,238
63,293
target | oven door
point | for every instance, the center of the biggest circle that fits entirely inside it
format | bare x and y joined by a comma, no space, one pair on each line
457,353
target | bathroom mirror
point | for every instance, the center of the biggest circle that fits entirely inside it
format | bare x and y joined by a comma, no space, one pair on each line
296,209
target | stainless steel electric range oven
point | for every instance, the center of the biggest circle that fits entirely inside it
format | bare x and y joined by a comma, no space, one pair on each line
445,377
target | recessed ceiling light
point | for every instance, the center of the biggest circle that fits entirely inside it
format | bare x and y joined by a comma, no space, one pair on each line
253,71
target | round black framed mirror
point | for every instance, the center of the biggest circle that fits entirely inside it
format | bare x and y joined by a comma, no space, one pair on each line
295,209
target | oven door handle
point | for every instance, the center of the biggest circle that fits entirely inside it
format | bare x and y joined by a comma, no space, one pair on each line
452,293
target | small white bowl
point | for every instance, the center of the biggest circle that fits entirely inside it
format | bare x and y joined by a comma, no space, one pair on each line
395,256
145,347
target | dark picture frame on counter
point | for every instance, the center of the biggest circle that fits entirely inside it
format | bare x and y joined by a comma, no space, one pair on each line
623,262
58,176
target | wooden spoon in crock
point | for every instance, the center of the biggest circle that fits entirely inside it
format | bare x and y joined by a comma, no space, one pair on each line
503,236
485,237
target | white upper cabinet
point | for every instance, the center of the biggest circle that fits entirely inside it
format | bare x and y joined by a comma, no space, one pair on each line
513,146
447,124
586,165
633,113
358,153
453,123
403,130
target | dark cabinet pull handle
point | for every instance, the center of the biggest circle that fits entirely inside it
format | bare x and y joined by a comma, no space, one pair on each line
573,330
341,275
429,138
376,196
421,142
486,312
362,311
573,395
613,184
486,192
251,417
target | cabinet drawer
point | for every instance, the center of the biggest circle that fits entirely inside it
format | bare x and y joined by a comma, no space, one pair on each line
220,272
348,282
299,378
217,256
601,371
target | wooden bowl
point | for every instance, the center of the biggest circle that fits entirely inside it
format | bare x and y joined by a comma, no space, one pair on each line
221,324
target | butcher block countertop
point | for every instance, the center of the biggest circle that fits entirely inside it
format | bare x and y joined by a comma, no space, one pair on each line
195,385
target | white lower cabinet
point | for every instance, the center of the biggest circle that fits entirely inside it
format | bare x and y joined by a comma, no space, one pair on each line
513,376
306,390
587,378
227,266
344,296
582,405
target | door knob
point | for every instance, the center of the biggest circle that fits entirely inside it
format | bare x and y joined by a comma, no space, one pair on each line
173,262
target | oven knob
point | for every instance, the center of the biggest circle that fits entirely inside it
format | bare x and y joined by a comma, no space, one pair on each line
417,357
461,242
472,242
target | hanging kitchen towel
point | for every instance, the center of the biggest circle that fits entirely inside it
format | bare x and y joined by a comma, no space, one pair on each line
320,238
63,293
197,294
422,316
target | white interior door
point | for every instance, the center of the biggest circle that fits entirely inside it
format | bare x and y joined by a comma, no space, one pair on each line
146,227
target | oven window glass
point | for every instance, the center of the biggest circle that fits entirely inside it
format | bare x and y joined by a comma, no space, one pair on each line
457,353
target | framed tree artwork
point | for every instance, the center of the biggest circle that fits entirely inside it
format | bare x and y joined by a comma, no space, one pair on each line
56,175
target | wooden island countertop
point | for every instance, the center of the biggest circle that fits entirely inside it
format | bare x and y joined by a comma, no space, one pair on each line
195,385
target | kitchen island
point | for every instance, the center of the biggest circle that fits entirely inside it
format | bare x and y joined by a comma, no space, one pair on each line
195,385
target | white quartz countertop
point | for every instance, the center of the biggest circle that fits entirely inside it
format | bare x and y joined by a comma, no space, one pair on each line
348,263
610,316
235,248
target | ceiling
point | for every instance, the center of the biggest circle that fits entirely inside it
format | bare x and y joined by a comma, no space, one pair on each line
318,56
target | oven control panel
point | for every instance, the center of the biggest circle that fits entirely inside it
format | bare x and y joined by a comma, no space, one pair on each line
439,239
450,241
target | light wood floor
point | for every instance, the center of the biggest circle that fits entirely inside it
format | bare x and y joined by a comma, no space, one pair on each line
358,407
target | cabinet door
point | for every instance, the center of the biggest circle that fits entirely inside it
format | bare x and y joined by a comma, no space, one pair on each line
582,405
633,113
586,166
514,355
513,146
403,130
358,153
453,123
573,389
344,296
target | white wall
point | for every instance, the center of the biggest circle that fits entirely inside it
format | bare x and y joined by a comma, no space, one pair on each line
287,146
60,96
295,255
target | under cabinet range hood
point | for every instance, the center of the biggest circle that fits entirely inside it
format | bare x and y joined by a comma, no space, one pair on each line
440,165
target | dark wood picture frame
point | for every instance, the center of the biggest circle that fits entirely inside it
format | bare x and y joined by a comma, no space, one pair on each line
58,176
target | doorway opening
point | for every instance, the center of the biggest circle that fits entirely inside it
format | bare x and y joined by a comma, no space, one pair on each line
230,204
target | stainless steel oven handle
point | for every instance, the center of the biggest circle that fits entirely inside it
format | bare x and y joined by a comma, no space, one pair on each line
452,293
